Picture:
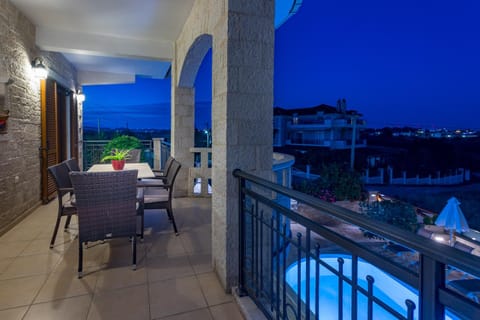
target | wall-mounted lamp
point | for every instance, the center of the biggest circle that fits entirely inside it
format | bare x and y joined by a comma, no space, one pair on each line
39,68
80,96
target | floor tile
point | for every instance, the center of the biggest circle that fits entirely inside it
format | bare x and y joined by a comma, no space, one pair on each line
65,285
126,303
71,309
175,296
19,292
13,314
212,290
166,245
118,252
202,314
228,311
161,268
12,249
20,234
4,263
114,278
31,265
197,240
201,263
38,246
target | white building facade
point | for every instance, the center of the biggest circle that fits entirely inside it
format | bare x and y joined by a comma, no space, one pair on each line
320,126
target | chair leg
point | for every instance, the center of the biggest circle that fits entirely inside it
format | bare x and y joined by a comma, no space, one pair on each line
134,249
170,215
67,223
80,259
143,225
55,230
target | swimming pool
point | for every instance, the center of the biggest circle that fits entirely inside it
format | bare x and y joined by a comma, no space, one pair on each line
387,288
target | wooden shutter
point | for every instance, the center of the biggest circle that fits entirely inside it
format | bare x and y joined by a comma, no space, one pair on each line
49,142
73,127
62,124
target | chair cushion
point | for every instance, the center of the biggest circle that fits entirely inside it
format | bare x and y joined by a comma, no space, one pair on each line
152,198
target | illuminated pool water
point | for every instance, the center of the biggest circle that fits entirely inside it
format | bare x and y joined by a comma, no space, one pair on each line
387,288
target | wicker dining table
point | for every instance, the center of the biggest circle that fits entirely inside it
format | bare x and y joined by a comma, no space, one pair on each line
144,170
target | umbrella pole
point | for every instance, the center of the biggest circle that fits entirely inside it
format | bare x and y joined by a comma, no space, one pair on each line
451,237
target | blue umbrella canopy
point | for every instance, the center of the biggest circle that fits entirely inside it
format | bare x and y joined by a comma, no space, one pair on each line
451,217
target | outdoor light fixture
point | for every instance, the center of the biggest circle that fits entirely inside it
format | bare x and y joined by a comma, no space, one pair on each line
80,96
39,68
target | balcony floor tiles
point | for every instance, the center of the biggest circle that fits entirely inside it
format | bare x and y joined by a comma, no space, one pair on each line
174,278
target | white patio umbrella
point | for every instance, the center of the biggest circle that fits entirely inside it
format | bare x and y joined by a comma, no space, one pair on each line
452,218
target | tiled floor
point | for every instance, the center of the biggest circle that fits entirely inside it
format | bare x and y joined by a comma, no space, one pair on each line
174,279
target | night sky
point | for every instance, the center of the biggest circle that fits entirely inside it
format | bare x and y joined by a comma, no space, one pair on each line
399,63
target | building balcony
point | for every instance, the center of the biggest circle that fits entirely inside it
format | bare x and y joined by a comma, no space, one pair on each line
326,143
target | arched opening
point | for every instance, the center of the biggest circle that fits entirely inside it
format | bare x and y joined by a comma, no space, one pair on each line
193,117
202,181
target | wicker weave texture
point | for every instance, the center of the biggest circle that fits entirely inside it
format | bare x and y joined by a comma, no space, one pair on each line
106,204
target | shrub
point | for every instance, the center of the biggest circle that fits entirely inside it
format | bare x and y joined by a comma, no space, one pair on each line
396,213
121,143
345,183
315,188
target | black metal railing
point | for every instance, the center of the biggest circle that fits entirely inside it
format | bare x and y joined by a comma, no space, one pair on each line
297,268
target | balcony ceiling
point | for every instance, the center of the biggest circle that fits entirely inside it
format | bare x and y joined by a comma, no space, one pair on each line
111,41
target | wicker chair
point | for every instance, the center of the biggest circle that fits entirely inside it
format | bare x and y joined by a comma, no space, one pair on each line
134,156
72,164
162,174
59,173
106,204
158,195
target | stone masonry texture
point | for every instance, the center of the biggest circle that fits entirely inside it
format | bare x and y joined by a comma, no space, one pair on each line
20,179
242,34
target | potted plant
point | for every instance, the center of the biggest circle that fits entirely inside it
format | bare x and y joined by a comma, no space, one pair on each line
118,157
121,143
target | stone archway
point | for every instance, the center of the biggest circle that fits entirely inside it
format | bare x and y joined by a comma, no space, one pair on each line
193,60
183,108
242,44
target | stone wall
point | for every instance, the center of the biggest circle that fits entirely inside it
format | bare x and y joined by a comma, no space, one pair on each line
20,184
242,34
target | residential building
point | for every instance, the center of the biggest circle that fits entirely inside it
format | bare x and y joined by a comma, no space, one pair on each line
321,126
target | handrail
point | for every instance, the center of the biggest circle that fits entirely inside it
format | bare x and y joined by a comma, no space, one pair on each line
266,249
441,253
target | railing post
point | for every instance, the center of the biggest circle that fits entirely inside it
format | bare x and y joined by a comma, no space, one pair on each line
241,292
157,155
432,277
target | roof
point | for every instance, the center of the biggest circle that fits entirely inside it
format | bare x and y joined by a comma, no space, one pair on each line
278,111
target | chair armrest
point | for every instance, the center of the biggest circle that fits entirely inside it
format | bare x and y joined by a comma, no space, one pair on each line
140,201
151,183
140,194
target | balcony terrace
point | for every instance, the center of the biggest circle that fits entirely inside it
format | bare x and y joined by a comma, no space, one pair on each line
174,277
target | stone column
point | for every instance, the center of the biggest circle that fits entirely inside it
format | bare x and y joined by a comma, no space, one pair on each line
182,132
242,113
157,154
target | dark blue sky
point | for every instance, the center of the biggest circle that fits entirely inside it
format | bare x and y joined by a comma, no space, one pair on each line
410,62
